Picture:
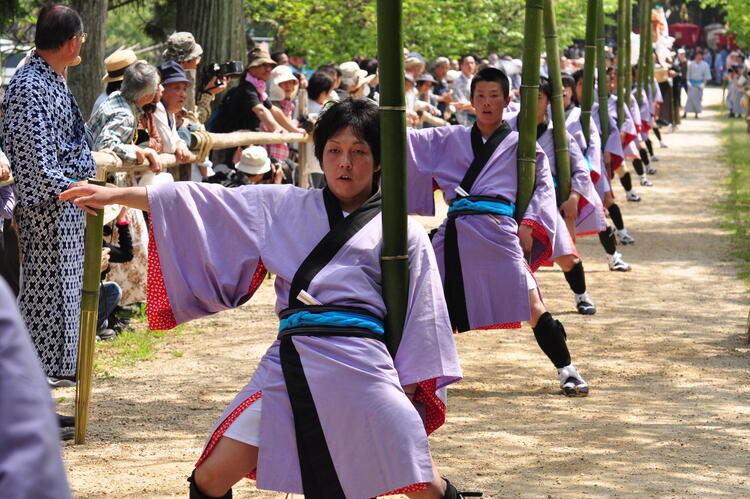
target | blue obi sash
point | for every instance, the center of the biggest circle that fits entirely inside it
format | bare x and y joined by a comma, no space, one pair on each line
316,320
479,205
695,82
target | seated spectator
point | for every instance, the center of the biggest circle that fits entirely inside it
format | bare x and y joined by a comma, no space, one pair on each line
182,48
109,291
440,71
247,105
115,64
113,123
147,134
414,66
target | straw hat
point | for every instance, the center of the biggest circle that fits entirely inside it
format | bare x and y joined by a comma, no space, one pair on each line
258,57
117,63
254,161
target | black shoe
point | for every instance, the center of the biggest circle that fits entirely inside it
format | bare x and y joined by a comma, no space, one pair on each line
105,334
452,493
66,421
67,434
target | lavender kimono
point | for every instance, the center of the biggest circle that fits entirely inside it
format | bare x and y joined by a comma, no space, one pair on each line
30,460
644,109
629,129
491,261
372,436
590,218
592,147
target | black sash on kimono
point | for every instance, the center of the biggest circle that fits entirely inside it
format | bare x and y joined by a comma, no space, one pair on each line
319,478
455,295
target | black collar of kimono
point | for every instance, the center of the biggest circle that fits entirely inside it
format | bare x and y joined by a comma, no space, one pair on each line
569,109
483,152
342,229
541,128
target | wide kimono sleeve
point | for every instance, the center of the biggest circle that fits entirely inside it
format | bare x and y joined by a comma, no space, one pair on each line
541,214
28,134
427,354
204,249
424,149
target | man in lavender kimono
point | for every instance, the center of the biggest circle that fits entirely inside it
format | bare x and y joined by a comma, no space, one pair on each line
480,247
328,390
45,140
593,154
583,210
30,460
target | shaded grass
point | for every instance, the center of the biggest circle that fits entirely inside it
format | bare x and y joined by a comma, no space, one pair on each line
736,206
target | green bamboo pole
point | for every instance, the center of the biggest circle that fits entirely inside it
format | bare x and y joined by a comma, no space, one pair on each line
650,53
643,9
532,37
394,259
601,65
588,68
559,131
622,64
628,50
92,261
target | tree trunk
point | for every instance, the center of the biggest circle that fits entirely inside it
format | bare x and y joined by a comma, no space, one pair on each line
217,25
532,39
85,80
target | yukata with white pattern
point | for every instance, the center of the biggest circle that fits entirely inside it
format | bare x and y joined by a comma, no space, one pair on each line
45,139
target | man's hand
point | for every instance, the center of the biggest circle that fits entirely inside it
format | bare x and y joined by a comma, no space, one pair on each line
213,89
570,207
181,152
4,172
524,234
153,160
105,259
278,174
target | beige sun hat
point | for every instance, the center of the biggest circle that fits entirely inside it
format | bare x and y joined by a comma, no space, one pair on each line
117,63
281,74
354,77
253,161
258,57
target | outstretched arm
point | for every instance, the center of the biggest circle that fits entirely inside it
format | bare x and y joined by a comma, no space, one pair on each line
89,197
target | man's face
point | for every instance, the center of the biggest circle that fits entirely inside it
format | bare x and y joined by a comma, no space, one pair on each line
541,112
424,87
579,90
441,71
174,96
698,57
283,60
468,66
567,96
489,101
191,64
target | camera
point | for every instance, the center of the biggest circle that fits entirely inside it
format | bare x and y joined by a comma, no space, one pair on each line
231,69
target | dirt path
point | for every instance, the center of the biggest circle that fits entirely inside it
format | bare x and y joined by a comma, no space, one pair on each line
669,413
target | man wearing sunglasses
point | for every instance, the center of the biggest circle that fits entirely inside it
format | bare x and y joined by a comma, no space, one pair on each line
44,136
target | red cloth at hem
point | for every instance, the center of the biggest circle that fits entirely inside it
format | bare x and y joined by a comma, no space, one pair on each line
505,325
540,234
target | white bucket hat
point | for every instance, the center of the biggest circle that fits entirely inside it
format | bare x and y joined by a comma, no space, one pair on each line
254,161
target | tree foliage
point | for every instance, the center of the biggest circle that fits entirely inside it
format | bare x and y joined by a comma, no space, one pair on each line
738,18
335,30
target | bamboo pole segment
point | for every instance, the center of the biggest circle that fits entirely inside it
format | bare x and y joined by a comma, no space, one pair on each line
89,311
588,68
650,53
394,256
622,63
302,178
643,9
601,65
532,36
559,131
629,51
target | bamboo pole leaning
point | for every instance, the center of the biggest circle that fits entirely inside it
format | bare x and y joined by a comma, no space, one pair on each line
622,63
559,130
532,36
643,9
628,13
601,68
588,68
89,314
394,256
